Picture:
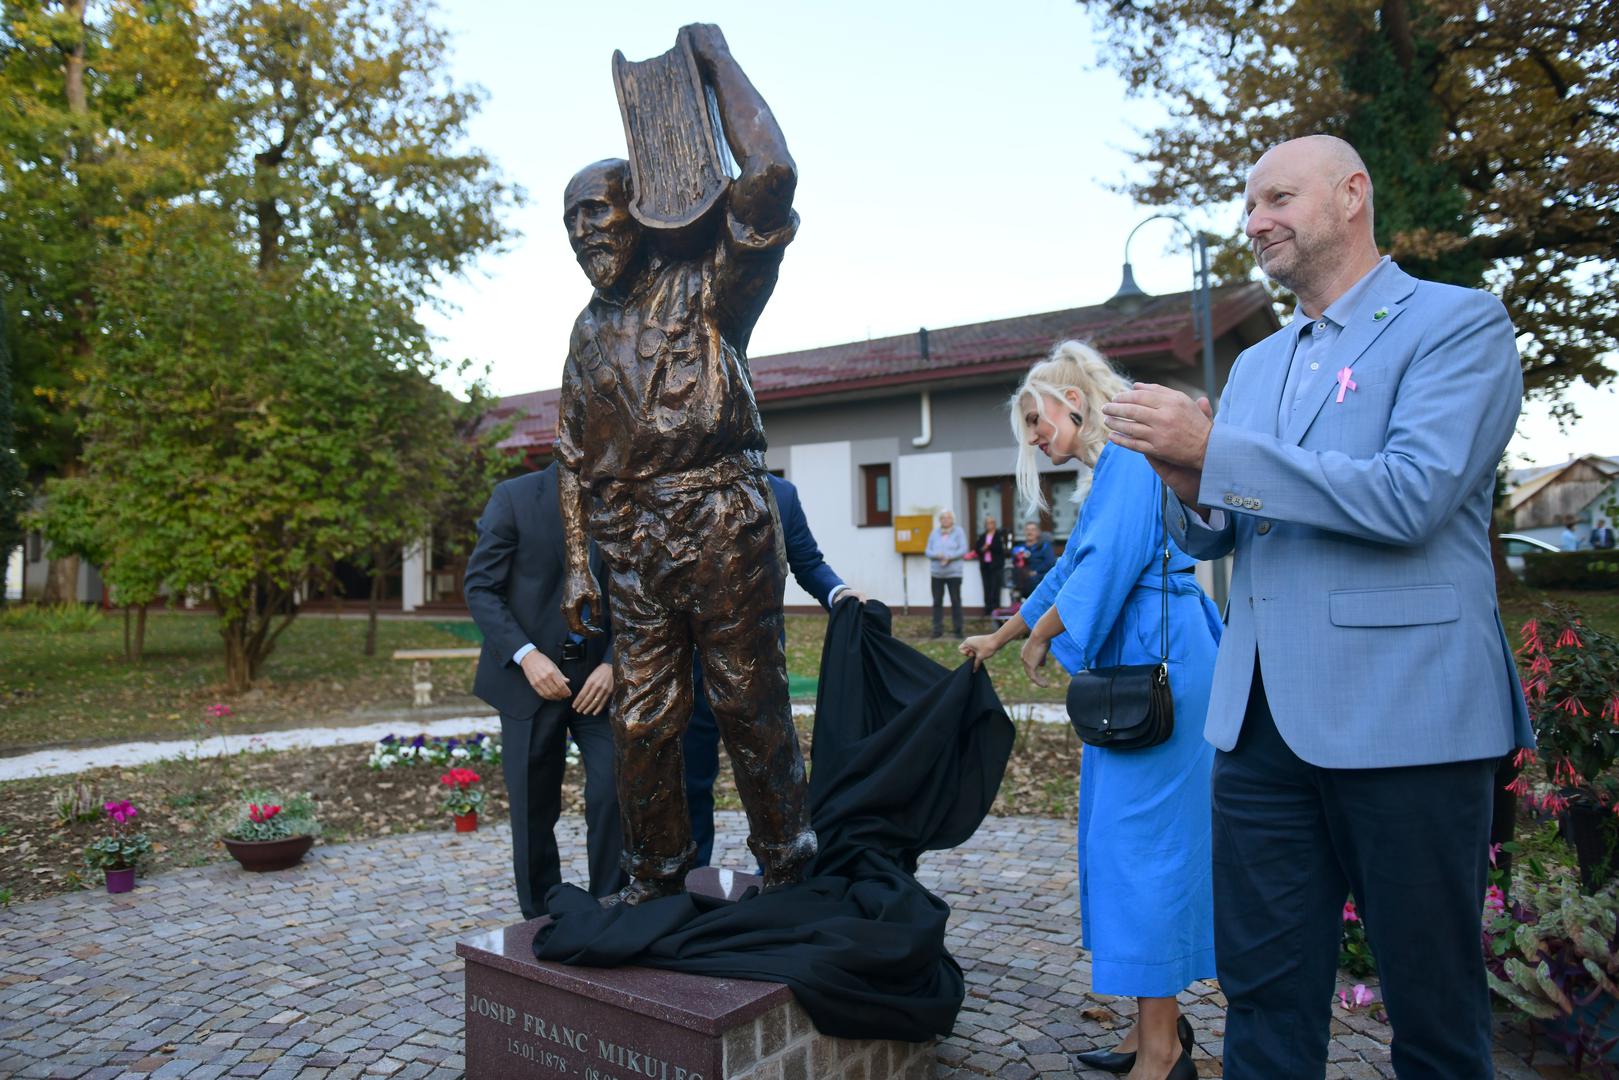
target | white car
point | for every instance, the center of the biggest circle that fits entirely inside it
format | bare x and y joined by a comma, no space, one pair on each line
1517,545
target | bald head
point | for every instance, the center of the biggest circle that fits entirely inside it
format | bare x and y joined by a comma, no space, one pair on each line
1309,207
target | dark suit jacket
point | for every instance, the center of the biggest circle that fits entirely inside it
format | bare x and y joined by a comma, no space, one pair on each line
1001,548
804,556
514,584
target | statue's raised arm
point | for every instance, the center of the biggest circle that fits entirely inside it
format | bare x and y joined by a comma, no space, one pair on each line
762,196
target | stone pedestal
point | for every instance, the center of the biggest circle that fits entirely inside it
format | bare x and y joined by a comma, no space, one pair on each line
526,1018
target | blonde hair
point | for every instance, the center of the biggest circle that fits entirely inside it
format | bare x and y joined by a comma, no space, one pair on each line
1072,365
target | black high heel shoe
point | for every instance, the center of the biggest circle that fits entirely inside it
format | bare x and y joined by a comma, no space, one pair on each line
1114,1062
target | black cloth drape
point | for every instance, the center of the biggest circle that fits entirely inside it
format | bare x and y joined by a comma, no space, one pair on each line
907,758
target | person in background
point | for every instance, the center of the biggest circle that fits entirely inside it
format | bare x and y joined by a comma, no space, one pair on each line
1569,539
1601,538
947,546
1145,890
702,739
1032,560
546,683
991,550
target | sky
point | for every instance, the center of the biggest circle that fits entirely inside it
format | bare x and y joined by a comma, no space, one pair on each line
956,164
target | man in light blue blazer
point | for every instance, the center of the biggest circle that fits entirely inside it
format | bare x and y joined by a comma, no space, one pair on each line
1364,691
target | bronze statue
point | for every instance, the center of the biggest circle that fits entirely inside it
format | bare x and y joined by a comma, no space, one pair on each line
662,455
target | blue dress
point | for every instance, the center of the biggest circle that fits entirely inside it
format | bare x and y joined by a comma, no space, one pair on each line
1146,908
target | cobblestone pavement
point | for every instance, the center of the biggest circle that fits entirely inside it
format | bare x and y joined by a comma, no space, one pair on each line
345,966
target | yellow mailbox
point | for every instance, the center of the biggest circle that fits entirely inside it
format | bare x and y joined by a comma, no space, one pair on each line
911,533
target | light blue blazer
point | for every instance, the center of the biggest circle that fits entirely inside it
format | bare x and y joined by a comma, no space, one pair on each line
1362,574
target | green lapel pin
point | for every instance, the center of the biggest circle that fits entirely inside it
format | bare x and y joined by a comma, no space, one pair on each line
1380,314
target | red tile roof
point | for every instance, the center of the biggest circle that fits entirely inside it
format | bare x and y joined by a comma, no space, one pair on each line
1159,334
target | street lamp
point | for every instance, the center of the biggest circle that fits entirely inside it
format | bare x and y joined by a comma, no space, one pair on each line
1130,297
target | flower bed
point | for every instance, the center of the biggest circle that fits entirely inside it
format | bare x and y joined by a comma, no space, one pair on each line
394,752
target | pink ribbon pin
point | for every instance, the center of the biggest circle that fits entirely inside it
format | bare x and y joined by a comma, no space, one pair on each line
1345,383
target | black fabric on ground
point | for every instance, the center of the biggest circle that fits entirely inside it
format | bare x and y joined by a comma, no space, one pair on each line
907,758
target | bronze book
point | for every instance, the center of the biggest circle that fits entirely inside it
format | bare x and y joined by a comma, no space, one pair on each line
680,164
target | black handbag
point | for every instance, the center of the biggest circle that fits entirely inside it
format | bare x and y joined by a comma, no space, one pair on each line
1127,707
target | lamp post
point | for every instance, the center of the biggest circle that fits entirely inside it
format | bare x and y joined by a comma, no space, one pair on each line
1130,297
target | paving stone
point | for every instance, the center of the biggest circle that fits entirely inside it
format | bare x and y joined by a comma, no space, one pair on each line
345,967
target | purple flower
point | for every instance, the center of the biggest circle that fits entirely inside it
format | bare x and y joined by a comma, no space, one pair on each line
121,812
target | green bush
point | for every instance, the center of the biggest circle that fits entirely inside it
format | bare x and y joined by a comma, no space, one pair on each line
1571,569
51,618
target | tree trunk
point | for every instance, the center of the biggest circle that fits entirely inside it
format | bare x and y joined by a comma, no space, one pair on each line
140,634
128,651
238,672
374,602
62,580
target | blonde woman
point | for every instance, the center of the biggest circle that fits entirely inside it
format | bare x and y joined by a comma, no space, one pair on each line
1144,863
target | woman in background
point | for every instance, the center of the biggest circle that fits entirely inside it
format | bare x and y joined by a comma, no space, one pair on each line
1146,910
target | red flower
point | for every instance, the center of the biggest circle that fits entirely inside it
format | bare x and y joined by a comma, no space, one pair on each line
1349,912
1541,665
1530,633
459,778
261,814
1574,707
1569,637
1524,756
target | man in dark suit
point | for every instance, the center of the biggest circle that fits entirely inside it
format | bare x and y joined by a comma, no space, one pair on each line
701,742
1601,538
547,684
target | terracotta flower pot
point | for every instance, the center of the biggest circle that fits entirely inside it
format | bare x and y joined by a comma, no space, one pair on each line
121,880
467,822
261,855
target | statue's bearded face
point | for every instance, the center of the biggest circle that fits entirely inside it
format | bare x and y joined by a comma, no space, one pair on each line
604,236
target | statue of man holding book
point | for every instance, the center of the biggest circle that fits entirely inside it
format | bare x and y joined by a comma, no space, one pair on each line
661,451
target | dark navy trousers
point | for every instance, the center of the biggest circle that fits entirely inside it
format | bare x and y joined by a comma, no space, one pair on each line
1291,842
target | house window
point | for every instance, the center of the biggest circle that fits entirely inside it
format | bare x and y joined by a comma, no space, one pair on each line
36,546
1064,513
877,482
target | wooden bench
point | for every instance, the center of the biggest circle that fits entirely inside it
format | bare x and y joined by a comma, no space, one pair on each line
422,668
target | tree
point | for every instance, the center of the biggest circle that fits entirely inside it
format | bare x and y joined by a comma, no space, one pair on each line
1491,131
446,467
235,422
102,112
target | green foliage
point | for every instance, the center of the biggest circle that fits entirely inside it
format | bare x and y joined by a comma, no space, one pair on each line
1571,683
77,803
1553,950
268,815
1571,569
1491,130
1354,949
120,851
51,618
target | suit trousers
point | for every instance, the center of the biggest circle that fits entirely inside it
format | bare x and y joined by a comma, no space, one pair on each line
1291,842
700,747
992,574
939,586
533,758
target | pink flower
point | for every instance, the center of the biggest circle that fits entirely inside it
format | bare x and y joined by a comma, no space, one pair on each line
219,711
122,811
1358,998
1495,901
1574,707
1495,849
1569,637
1350,915
1524,756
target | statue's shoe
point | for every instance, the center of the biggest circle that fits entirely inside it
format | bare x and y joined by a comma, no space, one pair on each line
640,890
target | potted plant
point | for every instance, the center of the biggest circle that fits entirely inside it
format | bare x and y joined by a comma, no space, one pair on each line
121,849
1553,954
272,832
1571,683
461,799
